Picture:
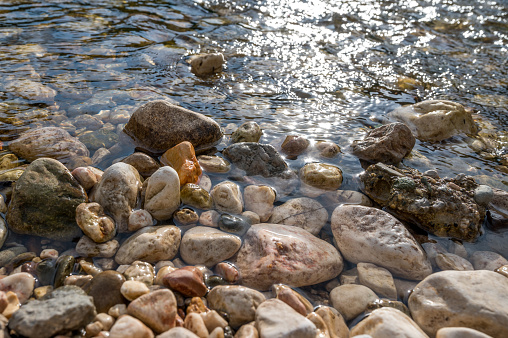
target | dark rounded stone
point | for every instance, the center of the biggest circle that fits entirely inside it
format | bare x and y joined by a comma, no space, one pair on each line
64,267
44,201
233,224
159,125
213,281
19,260
105,290
45,271
144,164
294,145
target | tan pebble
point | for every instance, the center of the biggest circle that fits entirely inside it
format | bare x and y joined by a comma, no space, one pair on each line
251,217
21,283
259,199
162,273
127,326
89,268
106,320
503,270
117,310
85,177
196,305
218,332
193,322
139,219
322,329
140,271
49,253
41,291
161,264
287,296
156,309
93,329
94,223
210,218
132,289
247,331
12,304
334,321
213,320
79,280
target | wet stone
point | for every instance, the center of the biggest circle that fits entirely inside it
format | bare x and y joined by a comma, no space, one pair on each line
183,159
105,290
139,219
195,196
213,281
214,164
94,223
233,224
88,248
259,199
162,196
207,64
294,145
327,149
227,197
102,138
487,260
301,212
141,272
449,261
143,163
63,268
187,280
377,279
321,176
351,299
128,326
380,303
45,271
22,284
247,132
44,201
210,218
186,216
156,309
85,176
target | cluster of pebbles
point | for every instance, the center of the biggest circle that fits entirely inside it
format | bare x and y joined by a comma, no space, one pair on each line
237,244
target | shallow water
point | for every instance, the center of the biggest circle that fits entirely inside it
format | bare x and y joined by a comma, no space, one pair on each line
324,69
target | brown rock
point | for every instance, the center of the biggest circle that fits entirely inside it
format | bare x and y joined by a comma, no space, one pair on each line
143,163
387,144
156,309
294,145
187,280
159,125
105,290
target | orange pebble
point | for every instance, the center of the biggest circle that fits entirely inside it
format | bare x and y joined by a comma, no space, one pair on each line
183,159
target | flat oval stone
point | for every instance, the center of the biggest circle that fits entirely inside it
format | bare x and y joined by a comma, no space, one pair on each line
144,164
22,284
321,176
294,145
239,302
487,260
214,164
160,125
208,246
117,193
275,253
371,235
162,196
128,326
105,290
233,224
187,280
150,244
301,212
139,219
88,248
473,299
351,299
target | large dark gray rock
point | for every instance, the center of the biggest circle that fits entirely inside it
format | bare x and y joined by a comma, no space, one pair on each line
387,144
44,201
65,309
50,142
159,125
443,207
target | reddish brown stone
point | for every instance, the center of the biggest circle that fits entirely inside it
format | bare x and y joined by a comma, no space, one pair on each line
294,145
187,280
183,159
156,309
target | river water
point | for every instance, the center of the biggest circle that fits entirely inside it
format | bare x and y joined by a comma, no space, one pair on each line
324,69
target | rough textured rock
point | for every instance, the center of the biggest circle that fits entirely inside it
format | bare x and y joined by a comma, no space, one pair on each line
351,299
208,246
49,142
371,235
159,125
473,299
275,253
301,212
118,193
44,201
247,132
156,309
195,196
443,207
239,302
65,309
275,318
258,159
162,196
388,322
94,223
387,144
436,120
150,244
